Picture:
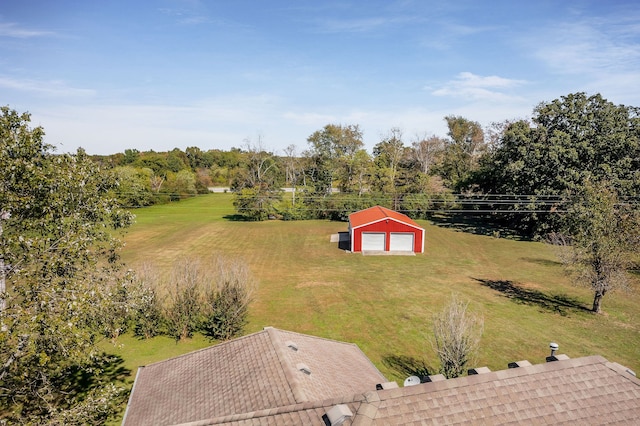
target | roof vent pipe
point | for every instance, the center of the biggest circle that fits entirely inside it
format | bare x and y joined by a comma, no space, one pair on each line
554,347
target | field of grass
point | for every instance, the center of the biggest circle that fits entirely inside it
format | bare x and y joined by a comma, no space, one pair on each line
385,304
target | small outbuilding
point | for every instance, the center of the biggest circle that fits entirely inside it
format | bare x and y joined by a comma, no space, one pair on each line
383,230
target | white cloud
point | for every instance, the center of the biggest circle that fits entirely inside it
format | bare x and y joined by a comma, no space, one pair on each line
47,88
11,29
309,118
589,48
361,25
352,25
475,87
602,49
595,54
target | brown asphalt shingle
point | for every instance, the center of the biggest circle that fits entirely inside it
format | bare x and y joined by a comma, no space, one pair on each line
255,380
584,391
252,373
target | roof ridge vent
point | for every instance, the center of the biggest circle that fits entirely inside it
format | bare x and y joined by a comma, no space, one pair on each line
523,363
338,414
558,357
291,344
478,370
304,368
386,385
435,378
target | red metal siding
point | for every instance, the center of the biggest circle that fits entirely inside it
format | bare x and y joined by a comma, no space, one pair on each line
387,226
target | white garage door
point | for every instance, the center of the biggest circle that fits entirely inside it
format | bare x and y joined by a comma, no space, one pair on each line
401,241
373,241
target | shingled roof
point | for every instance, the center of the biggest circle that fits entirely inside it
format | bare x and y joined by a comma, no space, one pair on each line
271,368
277,377
376,214
587,390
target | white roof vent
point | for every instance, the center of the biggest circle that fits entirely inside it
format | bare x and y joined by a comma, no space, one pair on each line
553,357
338,414
292,345
412,381
303,367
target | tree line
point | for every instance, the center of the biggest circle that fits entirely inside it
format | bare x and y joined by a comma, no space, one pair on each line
570,175
519,173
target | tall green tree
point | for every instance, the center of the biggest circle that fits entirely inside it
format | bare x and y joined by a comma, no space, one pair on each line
181,185
388,155
60,256
462,151
572,140
426,152
334,153
602,237
133,186
259,186
228,295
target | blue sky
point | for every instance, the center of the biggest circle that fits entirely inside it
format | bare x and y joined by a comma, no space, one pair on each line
112,75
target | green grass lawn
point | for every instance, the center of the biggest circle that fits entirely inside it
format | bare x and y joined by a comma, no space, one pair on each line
385,304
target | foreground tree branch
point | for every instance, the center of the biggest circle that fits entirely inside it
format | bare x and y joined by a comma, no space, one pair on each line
60,263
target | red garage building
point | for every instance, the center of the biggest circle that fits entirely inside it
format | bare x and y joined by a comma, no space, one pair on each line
381,229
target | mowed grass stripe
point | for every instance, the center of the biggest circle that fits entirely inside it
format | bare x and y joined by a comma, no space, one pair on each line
385,304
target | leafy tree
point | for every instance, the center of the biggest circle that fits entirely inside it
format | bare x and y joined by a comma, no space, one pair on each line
457,335
466,133
197,158
130,155
574,139
417,206
463,151
211,295
360,178
388,155
181,185
227,299
333,153
293,170
154,161
254,204
59,250
339,206
602,237
125,299
203,180
133,186
258,186
427,151
149,319
185,299
177,160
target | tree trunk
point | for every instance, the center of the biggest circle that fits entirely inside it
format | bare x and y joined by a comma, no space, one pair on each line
597,301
